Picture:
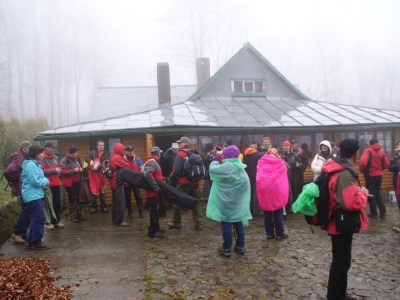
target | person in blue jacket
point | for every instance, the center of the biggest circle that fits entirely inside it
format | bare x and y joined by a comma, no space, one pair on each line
33,181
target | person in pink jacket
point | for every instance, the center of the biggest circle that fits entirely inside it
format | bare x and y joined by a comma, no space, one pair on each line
273,192
346,194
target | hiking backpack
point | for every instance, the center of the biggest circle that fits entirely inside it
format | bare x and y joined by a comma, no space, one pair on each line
193,167
321,219
12,173
106,169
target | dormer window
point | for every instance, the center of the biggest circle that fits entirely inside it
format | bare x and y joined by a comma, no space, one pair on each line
248,86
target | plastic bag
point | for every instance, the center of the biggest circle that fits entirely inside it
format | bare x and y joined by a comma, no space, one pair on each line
305,202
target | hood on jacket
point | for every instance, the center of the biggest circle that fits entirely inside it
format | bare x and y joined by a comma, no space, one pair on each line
326,143
118,148
249,151
338,164
18,154
375,147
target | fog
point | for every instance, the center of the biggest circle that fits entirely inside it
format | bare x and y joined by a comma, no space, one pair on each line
55,54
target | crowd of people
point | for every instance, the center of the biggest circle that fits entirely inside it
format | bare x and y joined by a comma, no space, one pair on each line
263,181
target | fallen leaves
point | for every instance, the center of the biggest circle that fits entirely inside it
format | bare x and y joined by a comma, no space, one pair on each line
28,277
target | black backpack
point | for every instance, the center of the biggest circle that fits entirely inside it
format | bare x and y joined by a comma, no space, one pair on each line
321,219
193,167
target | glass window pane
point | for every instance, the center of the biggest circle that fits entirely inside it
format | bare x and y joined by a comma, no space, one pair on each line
385,139
305,144
253,137
203,140
259,86
233,140
238,86
319,137
347,135
249,86
363,140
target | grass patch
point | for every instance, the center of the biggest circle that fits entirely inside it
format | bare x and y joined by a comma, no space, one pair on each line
5,195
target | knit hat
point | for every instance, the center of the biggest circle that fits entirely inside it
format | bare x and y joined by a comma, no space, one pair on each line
273,151
129,148
286,143
24,144
72,149
231,152
348,147
373,141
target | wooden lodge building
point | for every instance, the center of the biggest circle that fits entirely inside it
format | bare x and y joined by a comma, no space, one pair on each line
247,99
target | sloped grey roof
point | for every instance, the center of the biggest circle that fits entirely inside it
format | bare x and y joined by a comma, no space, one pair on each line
119,101
241,113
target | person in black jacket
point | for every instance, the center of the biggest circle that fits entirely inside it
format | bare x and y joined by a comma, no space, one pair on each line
250,158
297,170
394,165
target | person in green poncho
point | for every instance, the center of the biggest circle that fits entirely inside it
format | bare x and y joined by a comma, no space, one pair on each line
229,200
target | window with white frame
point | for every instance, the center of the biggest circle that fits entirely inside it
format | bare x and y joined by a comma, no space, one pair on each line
248,86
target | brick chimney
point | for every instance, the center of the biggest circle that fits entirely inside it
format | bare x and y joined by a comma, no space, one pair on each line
163,83
202,71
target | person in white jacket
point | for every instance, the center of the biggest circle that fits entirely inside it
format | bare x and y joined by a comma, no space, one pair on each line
320,158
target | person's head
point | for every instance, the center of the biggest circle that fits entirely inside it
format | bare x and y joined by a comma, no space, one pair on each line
229,142
286,146
273,152
333,145
183,142
175,147
325,147
156,152
304,146
49,148
373,141
129,151
73,151
24,146
397,149
208,148
35,152
348,148
231,152
100,145
266,143
221,145
253,144
295,144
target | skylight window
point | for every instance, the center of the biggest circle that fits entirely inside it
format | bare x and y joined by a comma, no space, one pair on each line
248,86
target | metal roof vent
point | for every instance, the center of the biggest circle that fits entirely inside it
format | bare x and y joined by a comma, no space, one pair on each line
202,71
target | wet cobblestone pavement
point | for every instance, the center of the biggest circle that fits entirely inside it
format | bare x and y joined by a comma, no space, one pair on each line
111,262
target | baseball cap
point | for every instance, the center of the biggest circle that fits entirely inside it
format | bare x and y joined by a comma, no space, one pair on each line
129,148
25,144
49,144
294,141
155,150
184,139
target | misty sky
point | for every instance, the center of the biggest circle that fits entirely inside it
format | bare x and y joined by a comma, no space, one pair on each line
55,54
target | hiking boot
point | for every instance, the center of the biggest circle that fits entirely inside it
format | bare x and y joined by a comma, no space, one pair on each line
270,237
140,210
17,239
284,236
59,225
162,230
226,253
199,227
39,246
239,250
382,216
372,217
174,226
49,226
129,216
123,224
93,211
104,210
158,234
81,218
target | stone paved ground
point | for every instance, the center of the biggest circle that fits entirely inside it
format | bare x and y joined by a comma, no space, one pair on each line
185,264
111,262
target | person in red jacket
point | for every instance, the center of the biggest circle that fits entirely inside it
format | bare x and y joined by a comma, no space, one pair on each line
71,168
343,192
117,162
184,185
372,163
52,169
152,171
